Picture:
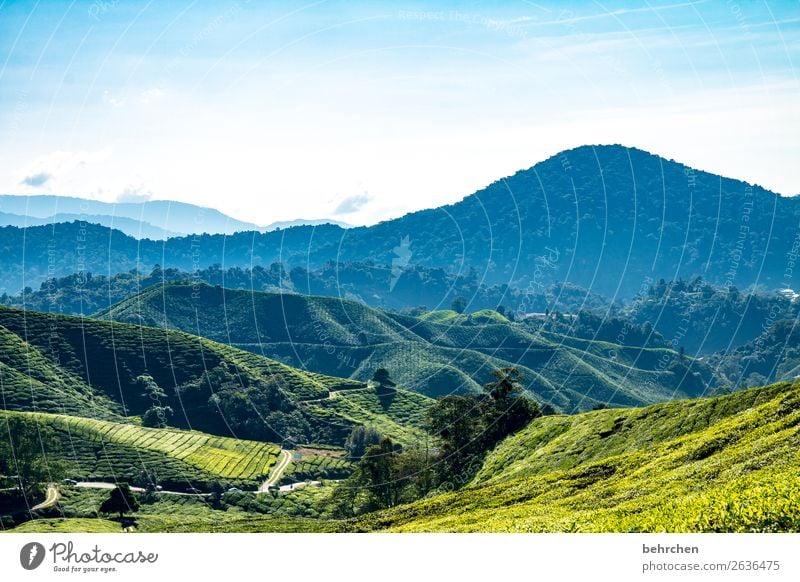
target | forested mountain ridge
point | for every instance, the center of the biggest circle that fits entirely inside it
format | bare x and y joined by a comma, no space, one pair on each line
416,288
576,217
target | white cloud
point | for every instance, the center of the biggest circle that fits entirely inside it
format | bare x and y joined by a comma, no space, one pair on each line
135,194
53,168
150,95
145,97
113,100
352,204
37,180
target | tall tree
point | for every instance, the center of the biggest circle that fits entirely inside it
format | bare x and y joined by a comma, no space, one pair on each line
376,468
359,439
459,304
506,408
455,422
28,450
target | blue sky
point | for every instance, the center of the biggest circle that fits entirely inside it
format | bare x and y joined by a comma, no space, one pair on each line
364,111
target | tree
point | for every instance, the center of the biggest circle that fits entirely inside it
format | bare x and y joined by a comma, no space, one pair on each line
507,408
376,471
156,416
459,304
121,500
468,426
359,439
507,381
27,450
455,422
217,489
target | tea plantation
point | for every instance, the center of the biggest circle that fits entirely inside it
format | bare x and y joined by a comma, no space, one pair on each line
728,464
98,450
440,353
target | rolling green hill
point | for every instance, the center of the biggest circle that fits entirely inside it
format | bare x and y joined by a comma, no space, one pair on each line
97,450
723,464
439,354
99,369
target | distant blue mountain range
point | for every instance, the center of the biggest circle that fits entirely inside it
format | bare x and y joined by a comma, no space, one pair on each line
152,219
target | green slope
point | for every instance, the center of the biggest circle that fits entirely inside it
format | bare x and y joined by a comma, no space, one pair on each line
87,367
725,464
436,355
97,450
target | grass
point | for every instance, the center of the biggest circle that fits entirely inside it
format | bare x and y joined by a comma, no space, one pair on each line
726,464
68,525
450,317
308,464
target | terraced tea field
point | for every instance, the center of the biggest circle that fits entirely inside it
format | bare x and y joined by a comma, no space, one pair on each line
315,464
100,450
399,416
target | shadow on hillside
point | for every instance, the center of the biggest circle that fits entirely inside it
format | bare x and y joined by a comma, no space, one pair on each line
386,397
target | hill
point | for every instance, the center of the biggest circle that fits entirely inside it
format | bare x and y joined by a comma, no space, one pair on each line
576,217
727,464
108,370
772,356
704,318
414,290
130,226
97,450
348,339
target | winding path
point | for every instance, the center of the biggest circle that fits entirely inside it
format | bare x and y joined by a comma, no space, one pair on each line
51,499
104,485
277,472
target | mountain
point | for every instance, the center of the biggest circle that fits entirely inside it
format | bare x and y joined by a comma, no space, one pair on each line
165,215
607,218
725,464
111,371
135,228
348,339
33,255
610,219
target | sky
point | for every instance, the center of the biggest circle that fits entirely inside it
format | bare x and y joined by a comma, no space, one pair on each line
363,111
